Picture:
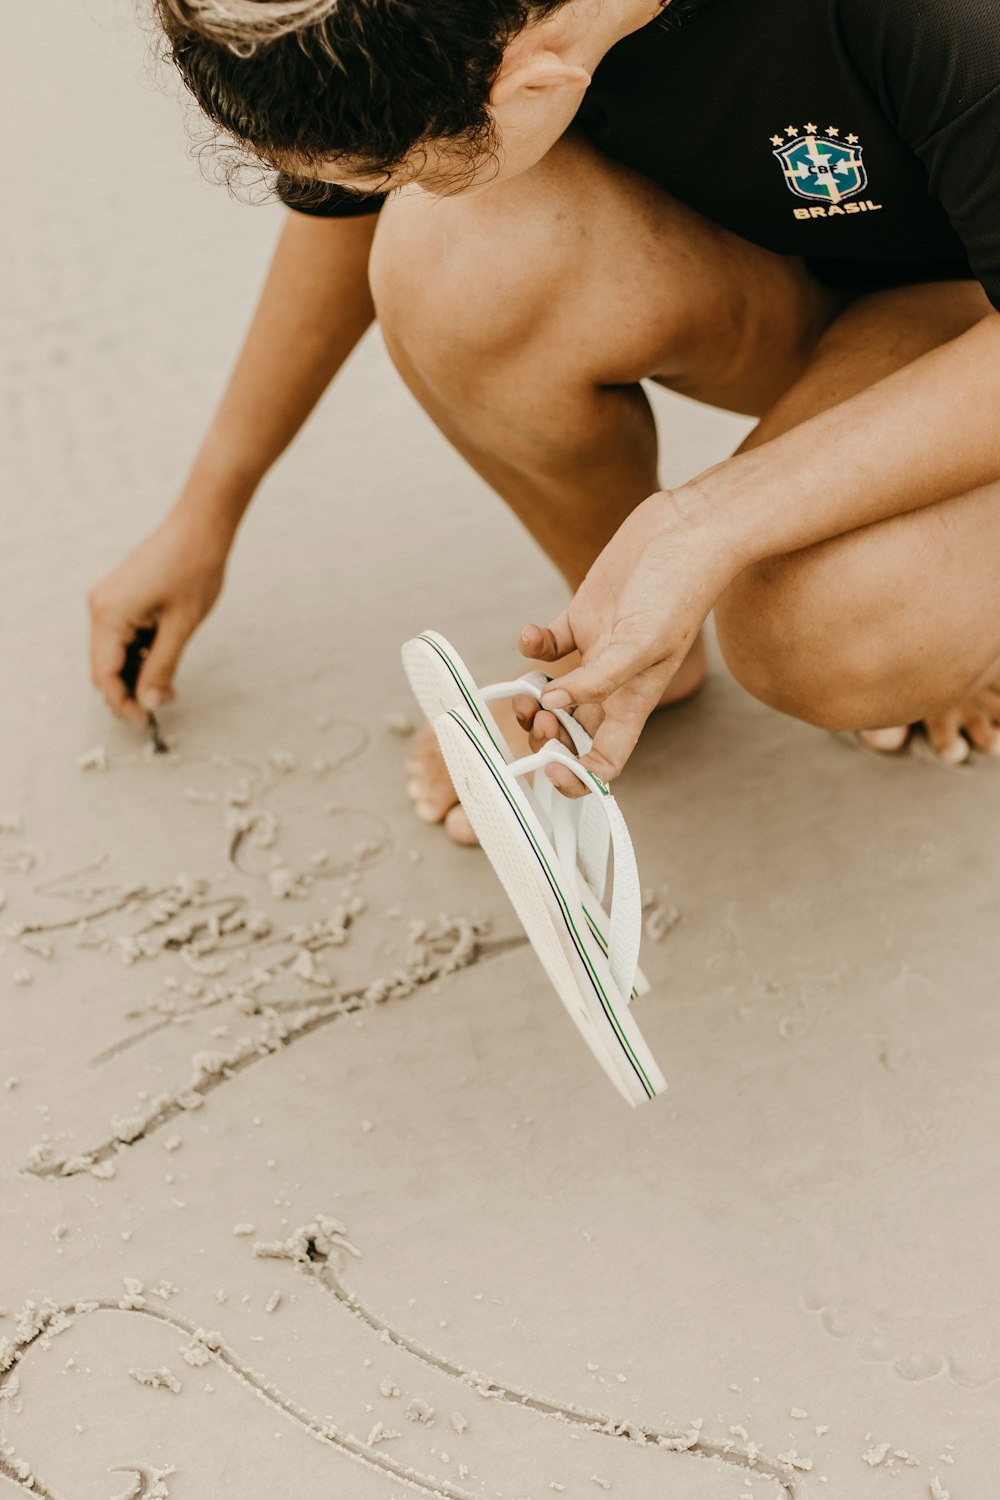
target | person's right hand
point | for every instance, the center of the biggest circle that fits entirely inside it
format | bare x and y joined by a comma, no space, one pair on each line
169,582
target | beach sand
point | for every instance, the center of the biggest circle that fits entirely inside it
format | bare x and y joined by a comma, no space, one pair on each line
308,1185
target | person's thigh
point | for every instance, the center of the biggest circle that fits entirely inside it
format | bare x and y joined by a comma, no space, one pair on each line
581,272
896,621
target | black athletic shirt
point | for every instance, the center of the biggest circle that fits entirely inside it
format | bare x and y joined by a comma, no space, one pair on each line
863,135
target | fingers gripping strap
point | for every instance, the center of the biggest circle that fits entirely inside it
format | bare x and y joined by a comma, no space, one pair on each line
581,833
626,902
593,835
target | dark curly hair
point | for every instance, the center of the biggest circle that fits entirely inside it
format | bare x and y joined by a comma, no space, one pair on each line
366,82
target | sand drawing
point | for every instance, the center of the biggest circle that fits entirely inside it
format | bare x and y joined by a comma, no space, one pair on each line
318,1248
147,1483
40,1324
437,950
448,946
244,949
237,946
314,1248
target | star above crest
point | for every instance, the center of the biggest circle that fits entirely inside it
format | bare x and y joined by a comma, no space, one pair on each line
831,133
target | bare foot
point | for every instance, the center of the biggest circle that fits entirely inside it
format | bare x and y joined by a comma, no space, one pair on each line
430,788
952,736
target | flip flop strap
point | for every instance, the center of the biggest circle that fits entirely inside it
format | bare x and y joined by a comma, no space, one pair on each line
585,823
626,903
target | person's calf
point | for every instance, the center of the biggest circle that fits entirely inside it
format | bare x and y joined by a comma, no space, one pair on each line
852,665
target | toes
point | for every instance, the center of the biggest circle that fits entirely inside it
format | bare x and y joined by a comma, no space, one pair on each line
990,700
432,794
428,785
430,812
424,750
981,729
459,829
887,740
944,734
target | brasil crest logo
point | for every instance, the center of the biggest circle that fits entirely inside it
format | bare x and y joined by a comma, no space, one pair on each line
821,168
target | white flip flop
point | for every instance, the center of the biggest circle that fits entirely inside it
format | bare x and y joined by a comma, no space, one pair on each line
441,681
592,979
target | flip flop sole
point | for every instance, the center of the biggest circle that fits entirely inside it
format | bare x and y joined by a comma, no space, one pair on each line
544,900
441,681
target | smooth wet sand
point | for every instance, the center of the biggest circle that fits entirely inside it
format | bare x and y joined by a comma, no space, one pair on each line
807,1222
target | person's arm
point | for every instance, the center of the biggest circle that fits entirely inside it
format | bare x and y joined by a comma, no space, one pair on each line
314,308
924,434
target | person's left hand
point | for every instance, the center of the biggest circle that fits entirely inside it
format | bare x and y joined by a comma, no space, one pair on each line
633,620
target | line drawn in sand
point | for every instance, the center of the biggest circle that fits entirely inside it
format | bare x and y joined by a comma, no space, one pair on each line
317,1249
314,1249
208,928
236,948
441,949
149,1484
40,1324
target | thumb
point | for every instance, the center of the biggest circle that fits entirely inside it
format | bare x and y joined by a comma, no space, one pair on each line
156,680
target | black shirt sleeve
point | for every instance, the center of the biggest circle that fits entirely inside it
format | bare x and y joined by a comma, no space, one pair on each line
935,68
325,200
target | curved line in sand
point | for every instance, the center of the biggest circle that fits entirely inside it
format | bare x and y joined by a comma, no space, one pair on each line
227,1359
317,1263
347,1443
311,1015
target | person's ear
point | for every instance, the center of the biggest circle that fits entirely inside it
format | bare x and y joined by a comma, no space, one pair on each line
540,70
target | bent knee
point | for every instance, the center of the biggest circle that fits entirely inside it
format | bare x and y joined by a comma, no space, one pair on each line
471,275
810,652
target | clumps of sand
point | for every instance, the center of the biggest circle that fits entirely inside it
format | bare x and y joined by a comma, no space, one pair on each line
195,1353
317,1242
188,917
148,1483
434,951
686,1442
381,1434
661,914
15,1468
795,1461
94,759
399,723
15,855
877,1454
160,1379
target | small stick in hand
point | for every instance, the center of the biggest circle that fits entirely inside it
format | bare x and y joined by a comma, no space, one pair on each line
135,654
